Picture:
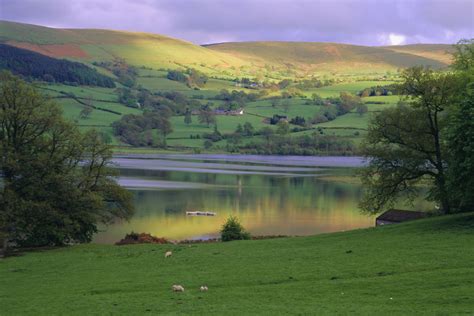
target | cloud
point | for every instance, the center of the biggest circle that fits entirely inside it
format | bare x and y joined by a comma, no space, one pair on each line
365,22
392,39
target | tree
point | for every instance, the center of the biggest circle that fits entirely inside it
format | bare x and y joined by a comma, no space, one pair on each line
348,103
57,182
283,128
267,132
207,116
233,230
404,145
361,108
85,112
460,131
464,55
207,144
317,99
248,129
187,117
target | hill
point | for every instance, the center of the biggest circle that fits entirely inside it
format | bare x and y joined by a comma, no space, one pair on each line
31,64
88,45
332,57
439,52
228,59
422,267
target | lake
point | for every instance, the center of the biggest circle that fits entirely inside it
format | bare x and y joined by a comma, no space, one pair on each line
271,195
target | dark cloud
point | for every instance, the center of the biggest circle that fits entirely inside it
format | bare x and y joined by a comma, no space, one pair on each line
365,22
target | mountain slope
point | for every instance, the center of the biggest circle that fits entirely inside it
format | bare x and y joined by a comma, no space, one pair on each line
97,45
329,56
230,59
437,52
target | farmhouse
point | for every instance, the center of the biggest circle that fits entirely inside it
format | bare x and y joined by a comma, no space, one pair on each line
394,216
229,112
222,112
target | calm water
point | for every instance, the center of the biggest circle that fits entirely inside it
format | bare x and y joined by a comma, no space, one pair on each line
270,194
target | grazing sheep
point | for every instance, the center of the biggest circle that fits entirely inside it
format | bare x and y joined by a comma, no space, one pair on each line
203,288
168,254
177,288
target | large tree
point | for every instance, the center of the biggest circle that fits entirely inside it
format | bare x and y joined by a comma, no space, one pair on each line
207,116
460,131
404,144
56,183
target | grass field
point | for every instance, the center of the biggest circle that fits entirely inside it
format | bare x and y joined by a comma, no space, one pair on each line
350,126
419,268
351,87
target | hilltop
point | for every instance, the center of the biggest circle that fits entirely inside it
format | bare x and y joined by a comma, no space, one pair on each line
421,267
88,45
335,58
257,58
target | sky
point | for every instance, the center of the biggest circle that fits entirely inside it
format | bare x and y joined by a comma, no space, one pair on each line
361,22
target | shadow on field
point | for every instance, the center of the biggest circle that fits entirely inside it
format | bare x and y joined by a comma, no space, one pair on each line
461,223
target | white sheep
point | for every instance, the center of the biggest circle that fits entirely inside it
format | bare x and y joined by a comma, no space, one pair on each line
203,288
168,254
177,288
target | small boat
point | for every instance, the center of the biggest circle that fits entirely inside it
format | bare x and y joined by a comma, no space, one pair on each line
198,213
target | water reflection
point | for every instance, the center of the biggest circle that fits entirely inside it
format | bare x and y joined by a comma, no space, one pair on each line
278,201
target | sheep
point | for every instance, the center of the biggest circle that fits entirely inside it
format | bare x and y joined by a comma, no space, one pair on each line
203,288
168,254
177,288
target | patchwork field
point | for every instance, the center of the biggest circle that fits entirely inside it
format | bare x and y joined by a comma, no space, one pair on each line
265,65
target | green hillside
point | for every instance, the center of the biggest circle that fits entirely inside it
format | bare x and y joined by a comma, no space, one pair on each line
227,59
419,268
439,52
139,49
329,57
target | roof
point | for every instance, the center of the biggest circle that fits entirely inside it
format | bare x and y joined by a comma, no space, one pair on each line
394,215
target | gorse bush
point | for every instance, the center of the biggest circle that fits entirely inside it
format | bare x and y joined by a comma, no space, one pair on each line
233,230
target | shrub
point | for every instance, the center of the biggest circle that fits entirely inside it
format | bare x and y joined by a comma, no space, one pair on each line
233,230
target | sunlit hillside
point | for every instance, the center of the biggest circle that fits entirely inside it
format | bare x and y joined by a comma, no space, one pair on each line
439,52
140,49
332,57
268,59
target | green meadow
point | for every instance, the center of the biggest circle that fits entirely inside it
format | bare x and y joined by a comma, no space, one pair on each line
108,110
420,268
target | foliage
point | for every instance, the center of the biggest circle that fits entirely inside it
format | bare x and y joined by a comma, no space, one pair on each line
57,183
207,116
137,130
404,144
283,128
464,55
386,90
361,108
127,97
176,75
460,132
188,117
298,120
126,74
306,145
233,230
30,64
191,77
236,98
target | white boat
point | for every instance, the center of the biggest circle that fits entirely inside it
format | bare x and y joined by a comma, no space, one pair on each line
199,213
